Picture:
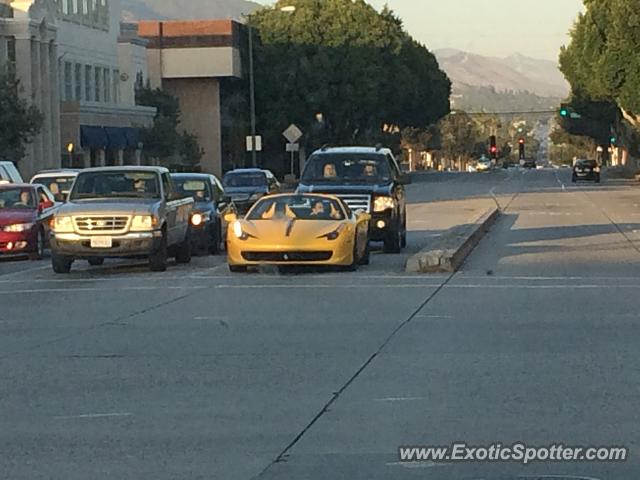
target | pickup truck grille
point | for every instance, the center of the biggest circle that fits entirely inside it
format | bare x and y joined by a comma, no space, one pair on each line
357,202
101,224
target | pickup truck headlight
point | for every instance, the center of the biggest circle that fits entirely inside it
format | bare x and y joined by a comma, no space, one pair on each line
62,225
143,223
18,227
381,204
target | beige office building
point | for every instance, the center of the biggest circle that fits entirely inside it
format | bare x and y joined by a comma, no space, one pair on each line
80,71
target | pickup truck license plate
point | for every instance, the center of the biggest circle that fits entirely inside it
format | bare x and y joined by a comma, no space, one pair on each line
101,242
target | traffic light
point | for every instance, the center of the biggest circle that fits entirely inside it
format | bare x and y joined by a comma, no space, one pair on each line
521,146
613,140
493,147
564,110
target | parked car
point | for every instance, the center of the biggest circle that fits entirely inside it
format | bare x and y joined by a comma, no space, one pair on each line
210,201
586,170
529,163
59,182
116,212
25,211
247,185
9,173
298,229
365,178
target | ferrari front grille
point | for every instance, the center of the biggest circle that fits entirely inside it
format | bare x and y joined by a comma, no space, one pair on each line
287,256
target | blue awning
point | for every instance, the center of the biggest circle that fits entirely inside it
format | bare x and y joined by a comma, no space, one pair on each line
117,137
133,137
93,137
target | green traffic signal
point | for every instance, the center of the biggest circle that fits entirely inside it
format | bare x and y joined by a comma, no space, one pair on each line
564,112
613,140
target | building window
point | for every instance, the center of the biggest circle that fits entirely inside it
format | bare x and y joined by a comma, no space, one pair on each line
78,82
68,81
98,84
116,86
107,85
88,83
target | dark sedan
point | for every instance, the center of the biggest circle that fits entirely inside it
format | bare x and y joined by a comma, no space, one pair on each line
246,186
210,201
586,170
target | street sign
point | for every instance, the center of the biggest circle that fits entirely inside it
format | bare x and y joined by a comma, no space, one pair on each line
258,143
293,147
292,133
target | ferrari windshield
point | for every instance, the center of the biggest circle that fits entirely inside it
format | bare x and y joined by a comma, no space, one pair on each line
297,207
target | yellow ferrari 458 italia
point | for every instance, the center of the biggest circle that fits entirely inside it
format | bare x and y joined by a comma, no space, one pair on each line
298,230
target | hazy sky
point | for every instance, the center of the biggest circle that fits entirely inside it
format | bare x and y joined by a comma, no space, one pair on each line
536,28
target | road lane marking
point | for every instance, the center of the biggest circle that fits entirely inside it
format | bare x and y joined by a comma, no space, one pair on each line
400,399
35,269
94,415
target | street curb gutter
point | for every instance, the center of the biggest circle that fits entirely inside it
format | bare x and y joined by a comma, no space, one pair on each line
448,252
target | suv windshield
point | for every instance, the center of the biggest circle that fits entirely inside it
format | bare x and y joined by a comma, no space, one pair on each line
130,184
193,187
347,167
253,179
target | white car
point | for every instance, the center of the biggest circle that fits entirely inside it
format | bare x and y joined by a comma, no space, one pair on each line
59,182
9,173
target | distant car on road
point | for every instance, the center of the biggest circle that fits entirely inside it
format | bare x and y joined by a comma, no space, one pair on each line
25,211
298,229
586,170
120,212
59,182
247,185
210,201
529,163
483,165
9,173
367,178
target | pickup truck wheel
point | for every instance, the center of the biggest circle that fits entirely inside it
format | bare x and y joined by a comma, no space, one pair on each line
61,264
96,261
158,259
393,241
403,242
183,251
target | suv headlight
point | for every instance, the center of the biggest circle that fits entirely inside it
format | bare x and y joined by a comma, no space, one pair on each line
596,169
18,227
198,218
62,224
143,223
381,204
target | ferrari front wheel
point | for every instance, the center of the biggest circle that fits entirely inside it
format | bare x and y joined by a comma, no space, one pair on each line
237,268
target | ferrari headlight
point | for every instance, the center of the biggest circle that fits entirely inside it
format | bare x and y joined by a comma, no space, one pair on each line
62,224
381,204
18,227
238,231
334,234
143,223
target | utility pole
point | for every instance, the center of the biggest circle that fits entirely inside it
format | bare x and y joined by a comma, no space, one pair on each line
252,99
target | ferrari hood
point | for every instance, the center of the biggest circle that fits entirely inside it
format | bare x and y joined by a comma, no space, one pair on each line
288,230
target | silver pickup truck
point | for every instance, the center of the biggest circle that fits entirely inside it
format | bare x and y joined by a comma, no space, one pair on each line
115,212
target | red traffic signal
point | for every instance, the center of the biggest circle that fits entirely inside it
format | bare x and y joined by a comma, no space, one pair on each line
494,149
521,141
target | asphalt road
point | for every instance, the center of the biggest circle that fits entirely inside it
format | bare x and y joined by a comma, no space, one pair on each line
116,373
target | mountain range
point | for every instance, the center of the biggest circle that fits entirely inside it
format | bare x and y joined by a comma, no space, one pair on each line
516,73
185,9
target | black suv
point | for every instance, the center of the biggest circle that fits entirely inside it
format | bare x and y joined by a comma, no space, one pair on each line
366,179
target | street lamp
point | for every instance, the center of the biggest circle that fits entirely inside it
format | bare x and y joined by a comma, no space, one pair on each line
252,86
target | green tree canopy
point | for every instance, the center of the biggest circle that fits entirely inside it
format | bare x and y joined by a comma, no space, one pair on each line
602,62
19,121
341,58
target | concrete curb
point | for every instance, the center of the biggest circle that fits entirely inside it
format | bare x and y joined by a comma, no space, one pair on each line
448,252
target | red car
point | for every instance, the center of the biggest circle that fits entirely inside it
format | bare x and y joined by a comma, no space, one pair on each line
25,211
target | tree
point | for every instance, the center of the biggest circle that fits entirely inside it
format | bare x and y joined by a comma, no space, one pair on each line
342,59
460,136
189,149
19,121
